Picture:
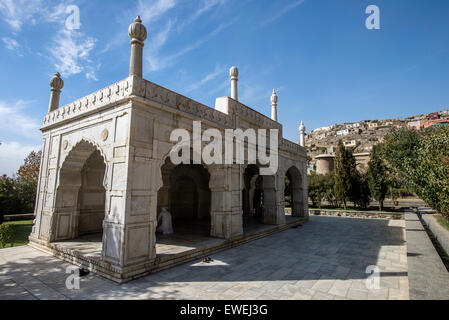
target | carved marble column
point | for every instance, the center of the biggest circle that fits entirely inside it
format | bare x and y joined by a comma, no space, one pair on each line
234,74
226,184
138,34
269,200
274,106
56,84
302,129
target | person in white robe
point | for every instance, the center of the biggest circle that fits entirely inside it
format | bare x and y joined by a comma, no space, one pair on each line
165,227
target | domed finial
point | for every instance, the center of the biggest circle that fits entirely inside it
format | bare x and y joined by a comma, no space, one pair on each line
137,31
234,74
56,82
302,127
274,97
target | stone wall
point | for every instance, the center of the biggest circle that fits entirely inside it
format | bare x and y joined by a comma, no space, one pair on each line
357,214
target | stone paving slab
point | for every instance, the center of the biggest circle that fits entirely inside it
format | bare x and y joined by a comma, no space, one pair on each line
428,277
324,259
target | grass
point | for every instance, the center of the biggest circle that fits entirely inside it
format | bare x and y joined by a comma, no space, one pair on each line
442,221
22,230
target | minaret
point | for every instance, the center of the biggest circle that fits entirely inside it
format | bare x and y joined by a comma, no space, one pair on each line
302,129
138,34
274,106
234,74
56,85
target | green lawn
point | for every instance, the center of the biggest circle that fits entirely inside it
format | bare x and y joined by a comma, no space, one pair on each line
22,230
442,221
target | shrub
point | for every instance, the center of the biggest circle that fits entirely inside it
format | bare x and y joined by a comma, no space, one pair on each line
6,235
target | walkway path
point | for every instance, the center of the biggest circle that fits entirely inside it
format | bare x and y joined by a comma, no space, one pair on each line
324,259
428,278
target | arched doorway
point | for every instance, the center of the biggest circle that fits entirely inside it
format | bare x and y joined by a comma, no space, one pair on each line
186,194
252,196
293,192
92,194
80,197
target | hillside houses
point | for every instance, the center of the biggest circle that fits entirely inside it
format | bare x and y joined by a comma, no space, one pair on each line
361,136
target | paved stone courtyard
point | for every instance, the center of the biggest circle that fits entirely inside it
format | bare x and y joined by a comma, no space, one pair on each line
324,259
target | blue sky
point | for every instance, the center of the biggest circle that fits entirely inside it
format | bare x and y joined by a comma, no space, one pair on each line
325,64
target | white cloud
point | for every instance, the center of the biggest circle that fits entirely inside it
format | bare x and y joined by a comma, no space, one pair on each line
11,44
151,11
152,53
91,75
220,89
71,50
157,63
209,77
281,12
14,120
58,14
18,12
201,41
12,155
206,6
15,123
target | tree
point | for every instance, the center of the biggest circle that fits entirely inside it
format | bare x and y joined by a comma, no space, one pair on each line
314,189
399,152
345,167
360,192
28,175
18,194
10,196
420,160
321,187
29,171
377,177
429,175
329,194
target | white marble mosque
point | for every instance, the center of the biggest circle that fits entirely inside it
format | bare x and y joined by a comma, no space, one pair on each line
106,173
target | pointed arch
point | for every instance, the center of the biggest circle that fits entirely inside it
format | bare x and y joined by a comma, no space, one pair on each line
81,192
294,191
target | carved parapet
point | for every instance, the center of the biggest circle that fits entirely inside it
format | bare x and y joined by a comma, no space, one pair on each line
87,104
174,100
255,117
290,146
136,86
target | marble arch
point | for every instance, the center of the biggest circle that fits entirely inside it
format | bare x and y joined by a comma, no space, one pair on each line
80,193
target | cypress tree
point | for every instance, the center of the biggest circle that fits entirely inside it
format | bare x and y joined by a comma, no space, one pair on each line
343,163
377,177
